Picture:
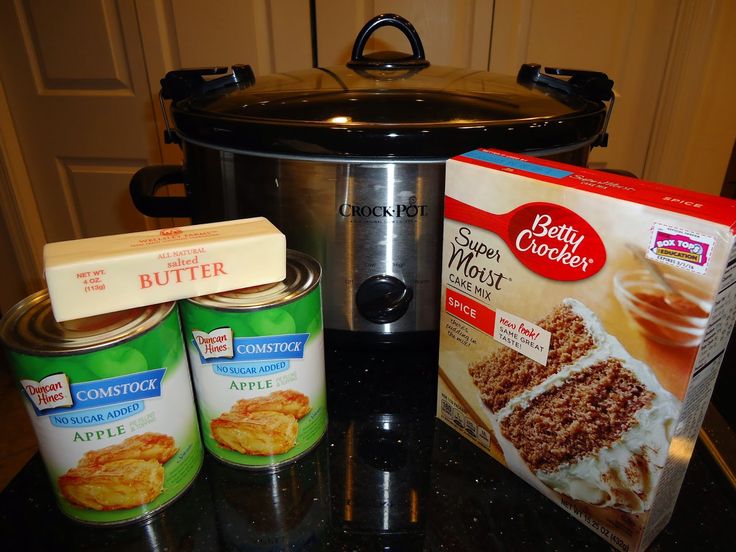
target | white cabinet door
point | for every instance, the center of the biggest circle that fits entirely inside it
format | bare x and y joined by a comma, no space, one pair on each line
627,39
453,32
79,110
269,35
75,83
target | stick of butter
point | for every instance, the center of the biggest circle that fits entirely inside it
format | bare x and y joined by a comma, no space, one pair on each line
93,276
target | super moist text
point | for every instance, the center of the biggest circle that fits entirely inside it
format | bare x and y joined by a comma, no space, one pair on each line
469,259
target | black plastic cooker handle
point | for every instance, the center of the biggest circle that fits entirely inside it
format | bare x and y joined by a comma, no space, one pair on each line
592,85
148,180
183,83
388,60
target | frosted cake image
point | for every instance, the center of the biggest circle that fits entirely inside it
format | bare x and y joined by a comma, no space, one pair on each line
593,423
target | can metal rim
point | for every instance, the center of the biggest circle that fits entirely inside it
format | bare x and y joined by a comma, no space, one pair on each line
303,274
30,327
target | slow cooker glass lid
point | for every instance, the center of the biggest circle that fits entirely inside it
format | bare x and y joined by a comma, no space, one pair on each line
326,98
386,104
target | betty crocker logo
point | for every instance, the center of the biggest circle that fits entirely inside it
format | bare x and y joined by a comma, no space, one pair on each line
548,239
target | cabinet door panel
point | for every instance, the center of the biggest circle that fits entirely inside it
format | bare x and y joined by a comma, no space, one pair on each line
453,32
629,40
75,82
270,35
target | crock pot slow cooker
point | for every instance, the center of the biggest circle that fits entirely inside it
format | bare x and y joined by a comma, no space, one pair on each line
349,161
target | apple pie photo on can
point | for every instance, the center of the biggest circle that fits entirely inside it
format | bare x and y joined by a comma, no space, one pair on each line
120,476
262,426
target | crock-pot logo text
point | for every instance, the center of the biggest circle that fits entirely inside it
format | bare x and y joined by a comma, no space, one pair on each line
469,264
408,210
548,239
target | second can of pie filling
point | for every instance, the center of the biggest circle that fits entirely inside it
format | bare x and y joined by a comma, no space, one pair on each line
257,361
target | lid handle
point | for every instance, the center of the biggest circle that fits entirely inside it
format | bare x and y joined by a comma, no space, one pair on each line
388,60
182,83
592,85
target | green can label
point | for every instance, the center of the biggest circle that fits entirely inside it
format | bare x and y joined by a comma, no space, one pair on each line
117,426
259,379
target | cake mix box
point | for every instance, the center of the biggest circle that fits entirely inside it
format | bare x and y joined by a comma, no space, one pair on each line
584,318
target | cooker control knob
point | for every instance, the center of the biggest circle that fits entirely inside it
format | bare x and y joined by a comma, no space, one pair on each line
383,298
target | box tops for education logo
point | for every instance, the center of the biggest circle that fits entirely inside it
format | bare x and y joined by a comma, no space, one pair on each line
680,248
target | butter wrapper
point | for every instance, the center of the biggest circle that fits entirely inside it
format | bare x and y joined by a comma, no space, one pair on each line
93,276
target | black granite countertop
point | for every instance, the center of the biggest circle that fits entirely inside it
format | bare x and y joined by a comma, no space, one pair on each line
388,476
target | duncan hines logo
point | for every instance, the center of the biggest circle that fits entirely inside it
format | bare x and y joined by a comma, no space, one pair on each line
397,210
548,239
51,392
215,344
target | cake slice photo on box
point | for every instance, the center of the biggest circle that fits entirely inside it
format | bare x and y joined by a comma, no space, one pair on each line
593,423
584,321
